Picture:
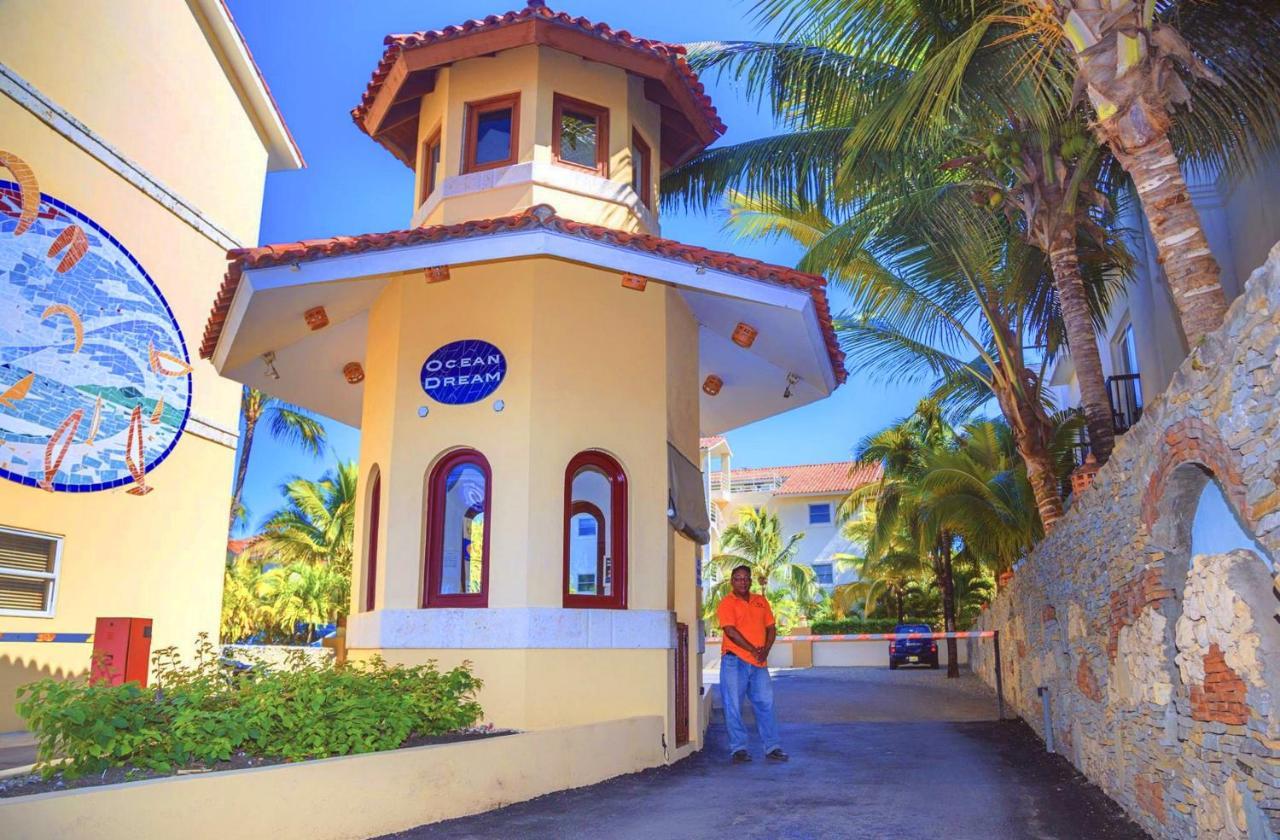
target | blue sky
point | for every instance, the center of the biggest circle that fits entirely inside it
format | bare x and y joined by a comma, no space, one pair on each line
317,56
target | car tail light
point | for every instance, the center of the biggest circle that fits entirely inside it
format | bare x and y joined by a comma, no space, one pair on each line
933,647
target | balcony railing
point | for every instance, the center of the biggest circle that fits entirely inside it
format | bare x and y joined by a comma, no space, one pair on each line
1125,394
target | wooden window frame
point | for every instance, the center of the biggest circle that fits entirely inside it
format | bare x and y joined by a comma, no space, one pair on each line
645,165
374,521
473,112
52,577
601,113
617,531
433,563
429,180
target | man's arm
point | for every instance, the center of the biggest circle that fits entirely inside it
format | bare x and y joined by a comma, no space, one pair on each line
732,634
770,635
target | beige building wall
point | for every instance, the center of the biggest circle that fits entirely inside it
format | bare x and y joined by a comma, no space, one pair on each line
152,82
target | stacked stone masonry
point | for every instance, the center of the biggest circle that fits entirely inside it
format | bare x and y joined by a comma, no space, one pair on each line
1163,668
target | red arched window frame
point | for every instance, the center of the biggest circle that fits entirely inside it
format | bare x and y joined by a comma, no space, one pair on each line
617,529
434,561
371,565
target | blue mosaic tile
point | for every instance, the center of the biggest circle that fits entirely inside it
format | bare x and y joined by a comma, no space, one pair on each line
46,383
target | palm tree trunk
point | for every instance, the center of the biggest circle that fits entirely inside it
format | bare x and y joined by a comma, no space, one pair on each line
1193,274
897,592
1074,302
949,606
1044,484
242,466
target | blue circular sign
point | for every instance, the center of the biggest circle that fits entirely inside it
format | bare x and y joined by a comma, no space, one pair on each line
463,372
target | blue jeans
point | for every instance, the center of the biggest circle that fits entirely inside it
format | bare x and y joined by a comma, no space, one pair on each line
739,678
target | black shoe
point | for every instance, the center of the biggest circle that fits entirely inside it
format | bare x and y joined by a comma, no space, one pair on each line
741,757
778,755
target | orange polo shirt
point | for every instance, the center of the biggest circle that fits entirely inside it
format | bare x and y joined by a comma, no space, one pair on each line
750,618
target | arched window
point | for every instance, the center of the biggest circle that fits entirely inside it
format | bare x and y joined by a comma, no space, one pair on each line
371,531
459,495
595,532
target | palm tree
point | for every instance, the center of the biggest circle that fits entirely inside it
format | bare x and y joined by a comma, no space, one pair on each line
1168,81
1152,66
1043,169
316,525
301,593
900,505
980,487
946,292
756,540
286,423
244,612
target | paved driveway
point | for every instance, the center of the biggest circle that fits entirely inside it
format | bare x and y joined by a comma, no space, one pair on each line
875,754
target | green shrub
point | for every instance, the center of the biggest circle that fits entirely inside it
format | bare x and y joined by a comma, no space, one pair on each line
863,625
201,714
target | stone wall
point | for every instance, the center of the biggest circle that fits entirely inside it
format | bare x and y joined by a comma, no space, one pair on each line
1163,669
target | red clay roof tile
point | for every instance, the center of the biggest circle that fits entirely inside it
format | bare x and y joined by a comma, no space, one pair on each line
813,479
540,216
535,10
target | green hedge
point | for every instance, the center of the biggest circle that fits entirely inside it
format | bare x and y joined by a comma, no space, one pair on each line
200,715
863,625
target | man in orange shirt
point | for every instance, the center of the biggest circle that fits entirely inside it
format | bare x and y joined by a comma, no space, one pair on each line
747,623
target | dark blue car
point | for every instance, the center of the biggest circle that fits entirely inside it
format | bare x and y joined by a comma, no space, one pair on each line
913,651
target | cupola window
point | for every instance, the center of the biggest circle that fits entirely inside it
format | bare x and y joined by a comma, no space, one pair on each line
430,166
492,132
459,494
641,168
582,134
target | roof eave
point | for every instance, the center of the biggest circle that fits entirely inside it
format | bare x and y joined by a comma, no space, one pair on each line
215,19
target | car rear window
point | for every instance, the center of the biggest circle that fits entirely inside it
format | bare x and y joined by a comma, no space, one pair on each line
913,628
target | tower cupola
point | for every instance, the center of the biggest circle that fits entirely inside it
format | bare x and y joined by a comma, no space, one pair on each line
536,107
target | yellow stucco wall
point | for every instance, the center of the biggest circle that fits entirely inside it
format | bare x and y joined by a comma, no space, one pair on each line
143,76
393,791
158,556
537,74
590,365
573,383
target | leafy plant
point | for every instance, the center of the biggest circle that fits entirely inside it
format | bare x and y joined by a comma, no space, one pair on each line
198,714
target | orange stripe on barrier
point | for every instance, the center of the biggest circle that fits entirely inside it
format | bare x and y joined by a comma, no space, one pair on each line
890,637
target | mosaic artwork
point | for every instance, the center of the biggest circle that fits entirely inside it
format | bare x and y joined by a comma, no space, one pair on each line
95,380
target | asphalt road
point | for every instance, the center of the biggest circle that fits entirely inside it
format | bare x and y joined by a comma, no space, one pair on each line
875,754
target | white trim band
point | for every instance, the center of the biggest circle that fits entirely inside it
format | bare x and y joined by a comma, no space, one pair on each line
512,627
541,174
47,111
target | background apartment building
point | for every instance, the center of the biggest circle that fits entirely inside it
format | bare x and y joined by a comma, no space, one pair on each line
805,497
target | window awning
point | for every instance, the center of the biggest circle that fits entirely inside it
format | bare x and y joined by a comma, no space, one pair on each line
686,501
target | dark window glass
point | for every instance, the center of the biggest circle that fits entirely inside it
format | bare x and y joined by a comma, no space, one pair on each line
819,514
431,167
493,136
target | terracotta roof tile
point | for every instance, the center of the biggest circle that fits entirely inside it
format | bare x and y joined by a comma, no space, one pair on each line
813,479
535,10
708,442
540,216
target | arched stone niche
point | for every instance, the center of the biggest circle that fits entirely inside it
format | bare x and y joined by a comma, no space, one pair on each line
1221,637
